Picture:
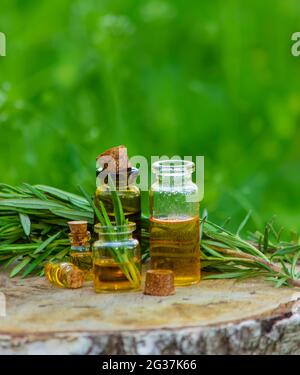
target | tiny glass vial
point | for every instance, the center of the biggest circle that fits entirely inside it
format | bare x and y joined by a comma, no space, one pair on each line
64,275
174,221
80,253
116,259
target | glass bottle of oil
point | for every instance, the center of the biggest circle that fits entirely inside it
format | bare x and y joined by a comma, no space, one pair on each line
117,259
80,253
127,191
64,275
174,221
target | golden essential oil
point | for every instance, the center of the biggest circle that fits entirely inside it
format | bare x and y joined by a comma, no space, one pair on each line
84,261
80,253
64,275
174,245
131,202
108,275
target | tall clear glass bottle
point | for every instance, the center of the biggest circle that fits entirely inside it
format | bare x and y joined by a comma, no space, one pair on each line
174,221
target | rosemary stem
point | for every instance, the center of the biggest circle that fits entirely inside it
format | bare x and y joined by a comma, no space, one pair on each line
240,254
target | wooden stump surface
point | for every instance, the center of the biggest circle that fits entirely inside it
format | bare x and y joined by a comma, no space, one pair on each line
214,317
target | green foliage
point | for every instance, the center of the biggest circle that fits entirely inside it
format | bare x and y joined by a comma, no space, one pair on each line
164,77
33,225
225,254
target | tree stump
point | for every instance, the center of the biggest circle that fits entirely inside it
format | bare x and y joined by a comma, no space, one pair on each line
214,317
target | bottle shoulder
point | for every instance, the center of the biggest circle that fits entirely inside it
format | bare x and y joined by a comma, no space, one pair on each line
105,189
131,243
187,188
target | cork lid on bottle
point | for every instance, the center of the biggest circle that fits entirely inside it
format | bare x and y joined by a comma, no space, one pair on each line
114,160
79,235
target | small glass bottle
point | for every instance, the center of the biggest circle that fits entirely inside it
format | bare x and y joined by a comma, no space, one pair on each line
117,259
80,253
64,275
128,193
174,221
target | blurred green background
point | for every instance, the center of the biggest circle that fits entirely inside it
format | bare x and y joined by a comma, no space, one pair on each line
213,78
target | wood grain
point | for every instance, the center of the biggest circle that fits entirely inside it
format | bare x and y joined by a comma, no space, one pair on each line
214,317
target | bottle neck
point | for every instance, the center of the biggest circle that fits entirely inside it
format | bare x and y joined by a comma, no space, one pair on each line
121,181
174,180
114,237
115,233
80,239
173,173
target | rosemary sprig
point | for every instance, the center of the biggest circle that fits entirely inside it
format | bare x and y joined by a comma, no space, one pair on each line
33,225
229,256
31,215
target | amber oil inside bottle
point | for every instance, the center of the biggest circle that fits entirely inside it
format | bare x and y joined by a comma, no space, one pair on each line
128,193
174,245
64,275
108,275
116,259
80,253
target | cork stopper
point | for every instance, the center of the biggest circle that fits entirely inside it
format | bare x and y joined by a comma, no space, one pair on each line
159,282
79,235
114,160
75,278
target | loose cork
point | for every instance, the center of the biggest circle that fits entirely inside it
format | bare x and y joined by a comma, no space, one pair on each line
159,283
75,278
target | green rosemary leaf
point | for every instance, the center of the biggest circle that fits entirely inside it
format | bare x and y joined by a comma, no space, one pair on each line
215,226
284,268
37,262
211,251
286,250
29,203
280,282
294,264
17,248
215,243
20,266
35,192
227,221
10,261
92,204
244,222
272,229
264,266
74,199
61,254
10,188
281,230
105,215
47,242
118,209
266,238
225,275
26,223
73,215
